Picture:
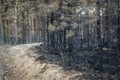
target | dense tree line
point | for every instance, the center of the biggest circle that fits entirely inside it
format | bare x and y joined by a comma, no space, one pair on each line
65,26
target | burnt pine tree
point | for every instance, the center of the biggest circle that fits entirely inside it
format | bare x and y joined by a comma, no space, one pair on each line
118,4
100,47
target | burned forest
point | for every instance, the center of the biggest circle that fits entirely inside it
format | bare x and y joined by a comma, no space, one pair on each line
79,35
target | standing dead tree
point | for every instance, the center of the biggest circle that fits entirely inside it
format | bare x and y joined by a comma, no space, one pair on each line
118,5
100,46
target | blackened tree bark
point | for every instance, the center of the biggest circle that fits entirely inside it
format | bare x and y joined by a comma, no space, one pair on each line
48,30
106,28
23,28
60,47
100,47
118,3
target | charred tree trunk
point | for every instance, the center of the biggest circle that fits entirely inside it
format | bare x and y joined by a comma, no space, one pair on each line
60,47
23,29
100,47
47,30
107,31
15,27
118,3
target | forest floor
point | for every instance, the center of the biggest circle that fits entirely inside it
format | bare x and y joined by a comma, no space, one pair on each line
26,62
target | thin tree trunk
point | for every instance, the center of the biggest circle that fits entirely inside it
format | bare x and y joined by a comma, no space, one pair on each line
107,31
16,36
81,35
23,28
5,31
47,30
118,25
1,31
15,22
60,48
100,48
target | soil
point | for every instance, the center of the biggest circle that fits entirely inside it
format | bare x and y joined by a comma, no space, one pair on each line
27,62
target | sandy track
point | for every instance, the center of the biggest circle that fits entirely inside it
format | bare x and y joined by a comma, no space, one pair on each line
16,64
3,68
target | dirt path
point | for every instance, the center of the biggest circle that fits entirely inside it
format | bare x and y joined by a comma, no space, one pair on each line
23,67
3,67
4,60
20,63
